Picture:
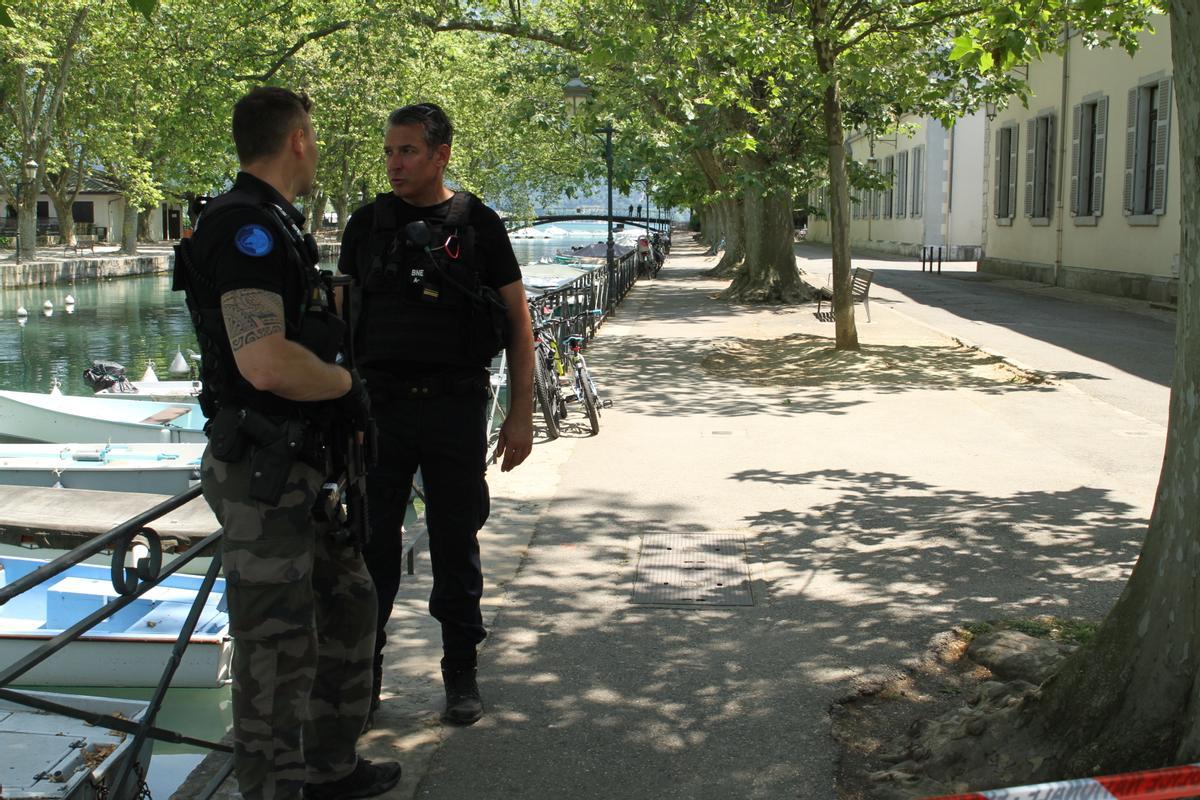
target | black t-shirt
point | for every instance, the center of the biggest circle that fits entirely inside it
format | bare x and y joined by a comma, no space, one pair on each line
243,247
498,264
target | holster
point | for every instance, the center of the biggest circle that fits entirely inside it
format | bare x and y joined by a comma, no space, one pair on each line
274,446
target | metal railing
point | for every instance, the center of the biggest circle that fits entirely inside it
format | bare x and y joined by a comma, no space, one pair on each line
143,546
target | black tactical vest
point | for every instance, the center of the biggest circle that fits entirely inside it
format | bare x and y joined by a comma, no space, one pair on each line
312,321
416,305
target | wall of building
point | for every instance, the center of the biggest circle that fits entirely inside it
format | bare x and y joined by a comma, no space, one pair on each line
941,205
1113,251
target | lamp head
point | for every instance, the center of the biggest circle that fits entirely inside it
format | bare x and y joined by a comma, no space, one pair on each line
576,94
30,169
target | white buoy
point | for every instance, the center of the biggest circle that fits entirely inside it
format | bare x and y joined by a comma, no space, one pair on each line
69,300
48,312
22,311
47,306
148,376
179,365
55,386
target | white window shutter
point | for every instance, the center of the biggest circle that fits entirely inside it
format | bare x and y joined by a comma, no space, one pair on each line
1161,150
1099,145
1076,121
1131,124
918,180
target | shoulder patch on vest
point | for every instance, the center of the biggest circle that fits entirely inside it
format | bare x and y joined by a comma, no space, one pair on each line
253,240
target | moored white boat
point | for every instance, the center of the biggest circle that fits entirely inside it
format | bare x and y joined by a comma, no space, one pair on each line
142,467
48,756
30,416
130,648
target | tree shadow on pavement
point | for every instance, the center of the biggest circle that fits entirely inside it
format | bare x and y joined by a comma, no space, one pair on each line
593,697
734,377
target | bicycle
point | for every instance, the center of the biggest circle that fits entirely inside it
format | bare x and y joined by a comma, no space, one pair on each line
546,365
585,387
549,367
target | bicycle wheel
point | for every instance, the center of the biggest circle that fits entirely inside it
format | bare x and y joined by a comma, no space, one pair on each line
591,404
544,396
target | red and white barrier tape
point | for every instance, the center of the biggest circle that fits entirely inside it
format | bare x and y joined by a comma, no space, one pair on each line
1155,784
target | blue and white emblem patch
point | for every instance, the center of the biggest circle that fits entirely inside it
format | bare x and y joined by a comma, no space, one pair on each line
253,240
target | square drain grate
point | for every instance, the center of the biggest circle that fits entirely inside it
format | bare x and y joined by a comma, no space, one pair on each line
692,569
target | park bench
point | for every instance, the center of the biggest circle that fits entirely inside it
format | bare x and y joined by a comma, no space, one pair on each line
860,286
83,241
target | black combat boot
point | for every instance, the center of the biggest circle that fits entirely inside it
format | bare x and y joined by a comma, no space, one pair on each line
367,780
463,705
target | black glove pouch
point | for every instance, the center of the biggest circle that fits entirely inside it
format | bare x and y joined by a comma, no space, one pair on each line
227,441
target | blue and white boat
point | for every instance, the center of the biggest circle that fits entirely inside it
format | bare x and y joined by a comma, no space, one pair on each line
48,756
130,648
151,468
60,418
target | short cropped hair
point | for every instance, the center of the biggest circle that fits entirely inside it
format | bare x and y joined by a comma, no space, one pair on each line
432,119
263,119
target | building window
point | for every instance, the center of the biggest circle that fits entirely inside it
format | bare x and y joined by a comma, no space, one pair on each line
1039,166
43,209
918,179
1148,128
1088,145
84,211
901,185
889,174
1006,172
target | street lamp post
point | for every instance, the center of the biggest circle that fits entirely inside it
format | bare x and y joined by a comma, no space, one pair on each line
29,172
576,94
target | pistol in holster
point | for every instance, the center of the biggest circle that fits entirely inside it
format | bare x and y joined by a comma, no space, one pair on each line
274,447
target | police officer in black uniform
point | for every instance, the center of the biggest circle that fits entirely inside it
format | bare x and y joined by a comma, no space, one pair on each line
301,603
440,294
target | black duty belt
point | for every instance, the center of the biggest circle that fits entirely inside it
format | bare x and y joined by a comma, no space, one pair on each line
387,387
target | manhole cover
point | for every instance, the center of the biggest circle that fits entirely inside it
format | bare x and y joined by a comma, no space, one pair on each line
692,569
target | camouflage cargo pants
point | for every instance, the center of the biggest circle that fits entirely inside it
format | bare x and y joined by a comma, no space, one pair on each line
302,615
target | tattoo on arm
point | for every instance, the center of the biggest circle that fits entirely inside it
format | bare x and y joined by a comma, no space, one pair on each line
250,315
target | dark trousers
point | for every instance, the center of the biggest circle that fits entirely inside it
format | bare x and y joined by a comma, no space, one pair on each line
444,433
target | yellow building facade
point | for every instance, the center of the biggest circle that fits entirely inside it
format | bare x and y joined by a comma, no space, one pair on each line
1081,185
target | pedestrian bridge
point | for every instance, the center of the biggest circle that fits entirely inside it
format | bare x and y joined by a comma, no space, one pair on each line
586,215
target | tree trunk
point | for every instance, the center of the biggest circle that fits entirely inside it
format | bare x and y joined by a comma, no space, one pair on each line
708,227
129,229
143,225
845,331
66,220
733,229
27,220
768,273
341,207
316,212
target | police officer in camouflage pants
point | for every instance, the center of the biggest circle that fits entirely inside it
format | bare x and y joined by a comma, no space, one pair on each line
301,603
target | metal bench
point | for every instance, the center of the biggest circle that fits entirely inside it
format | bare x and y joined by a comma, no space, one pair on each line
83,241
860,287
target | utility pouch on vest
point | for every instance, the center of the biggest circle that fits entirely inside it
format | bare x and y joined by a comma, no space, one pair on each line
227,442
489,326
277,448
323,333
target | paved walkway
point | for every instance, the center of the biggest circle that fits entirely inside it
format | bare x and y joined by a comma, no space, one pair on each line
882,496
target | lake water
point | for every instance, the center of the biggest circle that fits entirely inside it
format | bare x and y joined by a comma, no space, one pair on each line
140,321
